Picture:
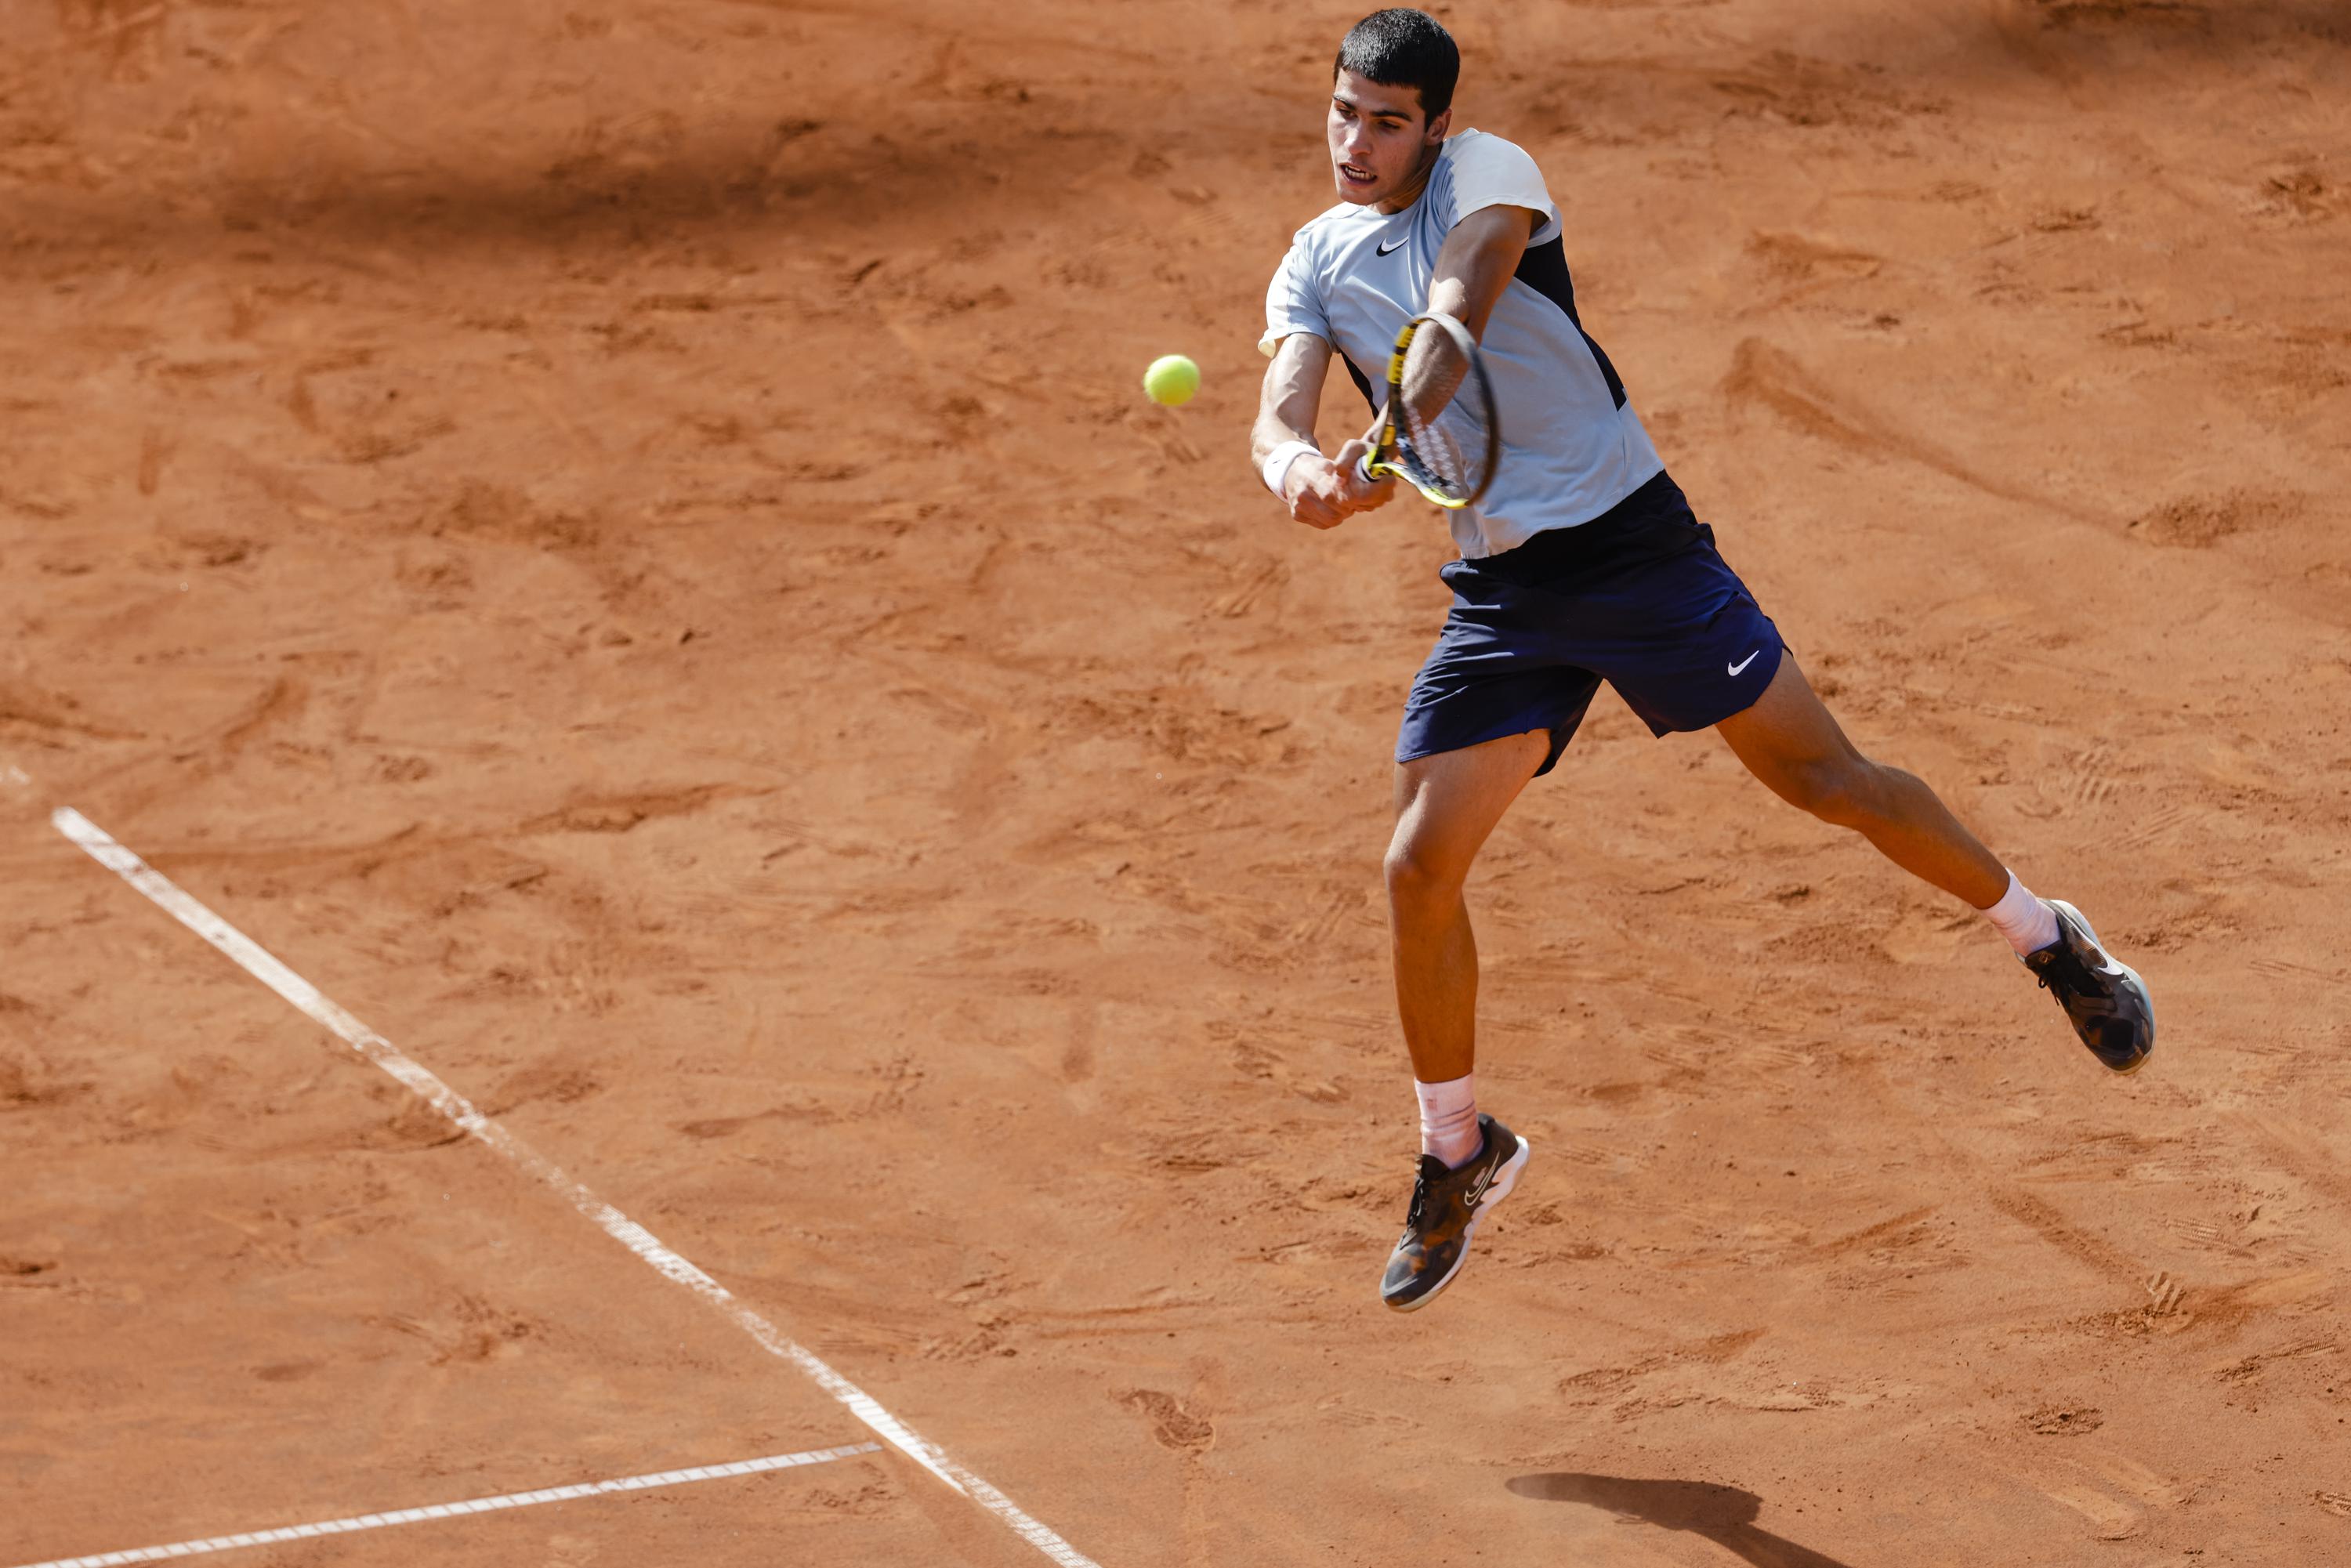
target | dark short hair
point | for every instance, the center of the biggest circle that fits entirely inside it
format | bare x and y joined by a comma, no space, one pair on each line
1403,47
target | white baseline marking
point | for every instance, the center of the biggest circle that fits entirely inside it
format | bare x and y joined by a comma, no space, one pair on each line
250,956
454,1510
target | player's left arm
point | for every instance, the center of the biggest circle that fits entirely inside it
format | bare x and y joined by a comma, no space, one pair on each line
1476,263
1479,258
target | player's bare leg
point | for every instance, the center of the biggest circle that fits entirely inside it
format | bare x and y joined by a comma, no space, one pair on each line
1446,806
1791,742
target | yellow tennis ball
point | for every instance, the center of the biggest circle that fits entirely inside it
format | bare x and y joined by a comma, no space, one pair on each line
1172,380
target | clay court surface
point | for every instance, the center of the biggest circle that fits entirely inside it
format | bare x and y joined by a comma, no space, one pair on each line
622,542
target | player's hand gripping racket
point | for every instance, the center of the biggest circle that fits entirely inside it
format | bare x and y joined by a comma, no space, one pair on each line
1439,432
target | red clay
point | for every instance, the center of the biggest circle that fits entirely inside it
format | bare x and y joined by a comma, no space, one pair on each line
623,543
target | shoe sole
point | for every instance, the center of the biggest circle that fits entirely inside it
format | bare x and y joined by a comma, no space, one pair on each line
2083,922
1503,1183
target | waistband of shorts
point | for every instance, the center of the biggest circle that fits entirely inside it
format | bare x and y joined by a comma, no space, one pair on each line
1655,519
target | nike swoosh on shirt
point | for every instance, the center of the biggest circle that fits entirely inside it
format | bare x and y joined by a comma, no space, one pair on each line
1743,662
1385,248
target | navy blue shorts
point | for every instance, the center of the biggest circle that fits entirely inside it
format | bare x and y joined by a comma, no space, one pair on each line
1638,597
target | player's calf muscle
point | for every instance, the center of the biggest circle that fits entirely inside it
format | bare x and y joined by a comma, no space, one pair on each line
1909,824
1846,791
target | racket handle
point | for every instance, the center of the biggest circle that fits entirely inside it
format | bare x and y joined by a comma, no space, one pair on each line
1364,469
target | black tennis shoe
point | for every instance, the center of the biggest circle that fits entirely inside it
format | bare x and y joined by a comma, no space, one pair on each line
1445,1207
2103,999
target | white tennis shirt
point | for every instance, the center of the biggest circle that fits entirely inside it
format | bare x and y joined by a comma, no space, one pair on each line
1572,445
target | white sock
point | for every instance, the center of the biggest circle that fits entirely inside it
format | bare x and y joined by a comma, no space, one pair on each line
2027,923
1448,1120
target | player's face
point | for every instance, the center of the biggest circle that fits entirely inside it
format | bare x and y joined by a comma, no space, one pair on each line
1381,142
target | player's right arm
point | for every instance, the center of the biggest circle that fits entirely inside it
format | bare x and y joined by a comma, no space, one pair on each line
1321,492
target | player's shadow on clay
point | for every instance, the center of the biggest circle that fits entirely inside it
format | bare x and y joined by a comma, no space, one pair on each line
1724,1515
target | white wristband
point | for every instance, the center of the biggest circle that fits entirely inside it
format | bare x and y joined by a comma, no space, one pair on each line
1276,472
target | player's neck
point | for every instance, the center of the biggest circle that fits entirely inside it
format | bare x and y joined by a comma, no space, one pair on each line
1409,193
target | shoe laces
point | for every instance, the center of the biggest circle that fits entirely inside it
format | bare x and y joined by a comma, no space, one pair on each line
2067,974
1419,1200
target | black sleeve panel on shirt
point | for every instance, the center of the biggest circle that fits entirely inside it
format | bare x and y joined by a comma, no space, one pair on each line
1364,382
1544,269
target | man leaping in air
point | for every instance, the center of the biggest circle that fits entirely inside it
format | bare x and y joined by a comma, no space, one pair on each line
1581,563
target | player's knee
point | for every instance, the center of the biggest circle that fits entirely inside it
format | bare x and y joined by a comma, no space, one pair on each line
1417,879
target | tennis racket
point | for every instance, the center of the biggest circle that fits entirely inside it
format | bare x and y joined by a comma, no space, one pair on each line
1450,458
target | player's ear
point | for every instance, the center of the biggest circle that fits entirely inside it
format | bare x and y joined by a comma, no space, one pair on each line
1440,126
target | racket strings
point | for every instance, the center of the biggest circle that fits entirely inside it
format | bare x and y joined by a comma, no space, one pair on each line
1454,447
1438,452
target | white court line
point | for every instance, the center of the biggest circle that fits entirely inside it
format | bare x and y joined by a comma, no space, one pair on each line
250,957
454,1510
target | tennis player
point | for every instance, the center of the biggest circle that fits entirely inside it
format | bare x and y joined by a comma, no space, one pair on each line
1582,563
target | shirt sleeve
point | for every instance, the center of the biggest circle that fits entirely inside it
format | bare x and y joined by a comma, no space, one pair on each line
1292,302
1489,171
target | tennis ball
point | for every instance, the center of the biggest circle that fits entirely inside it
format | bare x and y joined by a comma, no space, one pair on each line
1172,380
